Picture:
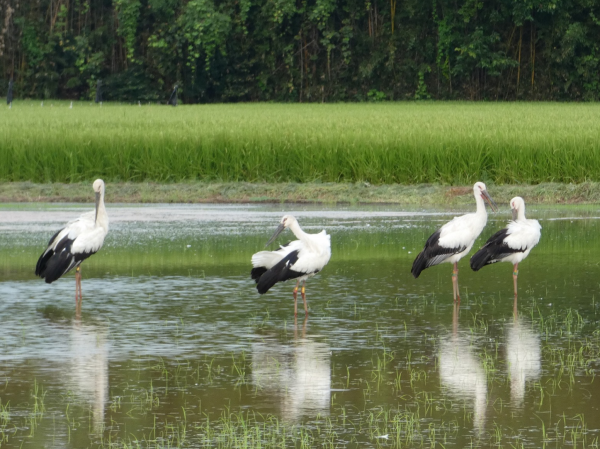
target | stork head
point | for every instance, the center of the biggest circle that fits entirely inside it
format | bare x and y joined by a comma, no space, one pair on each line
98,187
517,205
286,222
479,190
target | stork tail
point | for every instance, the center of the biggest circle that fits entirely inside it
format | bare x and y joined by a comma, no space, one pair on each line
481,258
419,264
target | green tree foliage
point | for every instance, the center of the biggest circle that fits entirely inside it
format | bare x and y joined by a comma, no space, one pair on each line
302,50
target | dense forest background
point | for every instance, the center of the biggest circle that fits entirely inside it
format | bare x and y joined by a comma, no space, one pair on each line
302,50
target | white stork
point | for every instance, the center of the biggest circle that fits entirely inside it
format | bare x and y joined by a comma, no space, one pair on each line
298,260
74,243
511,244
455,239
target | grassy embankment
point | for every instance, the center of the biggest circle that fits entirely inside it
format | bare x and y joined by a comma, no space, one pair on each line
330,193
316,152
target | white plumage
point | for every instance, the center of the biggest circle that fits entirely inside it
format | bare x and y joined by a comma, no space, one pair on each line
77,241
298,260
511,244
455,239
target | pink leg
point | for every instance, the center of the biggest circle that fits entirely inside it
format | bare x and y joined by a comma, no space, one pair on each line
78,295
515,275
304,299
296,299
455,282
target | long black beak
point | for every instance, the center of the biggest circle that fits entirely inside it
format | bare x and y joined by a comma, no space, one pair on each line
97,205
278,231
488,198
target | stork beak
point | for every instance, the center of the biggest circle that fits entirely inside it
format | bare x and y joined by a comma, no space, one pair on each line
278,231
486,196
515,214
97,204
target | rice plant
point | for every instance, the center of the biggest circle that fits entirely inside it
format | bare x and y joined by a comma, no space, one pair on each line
405,143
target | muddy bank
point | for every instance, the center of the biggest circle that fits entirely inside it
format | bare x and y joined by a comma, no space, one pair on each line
352,193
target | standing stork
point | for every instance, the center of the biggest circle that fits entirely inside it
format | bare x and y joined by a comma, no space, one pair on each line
455,239
298,260
511,244
74,243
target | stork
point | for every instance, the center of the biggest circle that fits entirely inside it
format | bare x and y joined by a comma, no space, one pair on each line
74,243
455,239
511,244
298,260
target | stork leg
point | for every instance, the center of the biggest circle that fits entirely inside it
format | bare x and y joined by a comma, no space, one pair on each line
78,294
515,275
296,299
304,298
455,282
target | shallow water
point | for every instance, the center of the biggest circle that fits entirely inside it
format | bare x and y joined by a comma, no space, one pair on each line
174,347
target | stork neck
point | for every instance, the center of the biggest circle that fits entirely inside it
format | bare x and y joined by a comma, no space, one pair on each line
302,236
480,204
297,230
101,215
521,213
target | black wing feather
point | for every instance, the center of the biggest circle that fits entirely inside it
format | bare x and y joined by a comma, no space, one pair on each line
279,272
52,264
494,250
257,272
431,254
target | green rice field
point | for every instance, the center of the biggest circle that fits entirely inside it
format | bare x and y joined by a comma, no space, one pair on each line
403,143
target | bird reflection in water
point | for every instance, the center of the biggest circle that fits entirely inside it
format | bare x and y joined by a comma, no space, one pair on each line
296,376
87,368
462,373
523,357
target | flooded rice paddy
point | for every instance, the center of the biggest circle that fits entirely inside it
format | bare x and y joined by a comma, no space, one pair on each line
174,348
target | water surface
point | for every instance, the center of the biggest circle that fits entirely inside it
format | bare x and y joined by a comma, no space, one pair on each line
174,347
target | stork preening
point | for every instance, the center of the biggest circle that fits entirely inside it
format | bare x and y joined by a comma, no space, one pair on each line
455,239
511,244
74,243
298,260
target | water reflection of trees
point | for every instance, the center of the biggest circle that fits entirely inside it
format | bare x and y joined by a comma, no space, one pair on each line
296,376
